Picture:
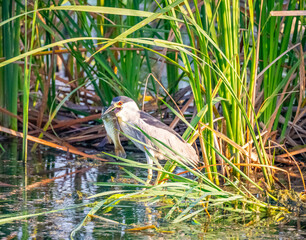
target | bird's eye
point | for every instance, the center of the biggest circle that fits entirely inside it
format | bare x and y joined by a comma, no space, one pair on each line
119,103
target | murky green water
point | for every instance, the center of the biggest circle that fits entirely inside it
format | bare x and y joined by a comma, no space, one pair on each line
72,181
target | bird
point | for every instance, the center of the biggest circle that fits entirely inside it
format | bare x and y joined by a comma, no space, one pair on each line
131,119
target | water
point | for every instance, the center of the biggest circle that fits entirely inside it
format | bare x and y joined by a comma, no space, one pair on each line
73,181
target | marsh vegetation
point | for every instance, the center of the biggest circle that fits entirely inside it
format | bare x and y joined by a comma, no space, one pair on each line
228,76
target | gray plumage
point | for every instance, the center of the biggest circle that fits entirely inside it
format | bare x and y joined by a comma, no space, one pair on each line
148,119
129,115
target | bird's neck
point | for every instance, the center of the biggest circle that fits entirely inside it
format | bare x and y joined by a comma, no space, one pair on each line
128,116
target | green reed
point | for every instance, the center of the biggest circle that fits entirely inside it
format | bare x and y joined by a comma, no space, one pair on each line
214,48
10,74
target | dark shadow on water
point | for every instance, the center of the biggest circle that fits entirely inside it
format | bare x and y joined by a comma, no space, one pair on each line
72,183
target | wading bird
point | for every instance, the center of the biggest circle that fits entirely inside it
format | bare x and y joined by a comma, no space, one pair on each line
130,117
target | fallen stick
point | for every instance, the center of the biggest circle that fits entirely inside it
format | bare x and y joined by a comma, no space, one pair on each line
53,145
52,137
69,123
292,153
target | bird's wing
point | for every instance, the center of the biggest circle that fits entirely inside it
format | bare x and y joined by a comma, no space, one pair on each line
148,119
167,135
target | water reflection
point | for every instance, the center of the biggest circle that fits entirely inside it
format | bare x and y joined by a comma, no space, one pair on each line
56,182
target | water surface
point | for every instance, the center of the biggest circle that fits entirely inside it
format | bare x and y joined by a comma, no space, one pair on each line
57,181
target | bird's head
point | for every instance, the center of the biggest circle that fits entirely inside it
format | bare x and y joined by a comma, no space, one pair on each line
121,106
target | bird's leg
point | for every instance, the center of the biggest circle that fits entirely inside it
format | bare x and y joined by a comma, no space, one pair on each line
159,173
150,171
150,161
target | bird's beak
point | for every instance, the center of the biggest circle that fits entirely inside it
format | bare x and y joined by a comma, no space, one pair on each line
110,108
